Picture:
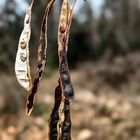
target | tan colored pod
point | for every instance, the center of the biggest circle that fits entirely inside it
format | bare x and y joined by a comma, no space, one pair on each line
62,29
63,23
22,68
64,122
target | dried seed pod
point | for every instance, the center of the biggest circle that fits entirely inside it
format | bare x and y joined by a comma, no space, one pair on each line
66,128
22,68
64,23
54,118
66,84
63,121
41,59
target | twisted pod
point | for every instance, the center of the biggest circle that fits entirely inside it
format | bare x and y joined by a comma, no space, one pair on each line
60,121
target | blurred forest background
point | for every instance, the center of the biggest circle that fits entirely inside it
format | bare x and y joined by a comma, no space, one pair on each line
104,59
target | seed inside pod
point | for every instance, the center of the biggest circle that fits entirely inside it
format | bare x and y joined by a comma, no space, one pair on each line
23,58
65,78
27,18
23,45
62,29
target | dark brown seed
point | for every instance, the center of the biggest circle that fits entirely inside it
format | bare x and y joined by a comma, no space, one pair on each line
62,29
23,58
27,21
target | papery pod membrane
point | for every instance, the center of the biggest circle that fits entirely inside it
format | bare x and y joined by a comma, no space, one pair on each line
66,84
62,119
63,24
57,115
41,59
54,117
63,34
66,127
22,68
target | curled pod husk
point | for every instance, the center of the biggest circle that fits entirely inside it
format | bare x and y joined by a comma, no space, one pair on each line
63,33
66,83
63,24
64,122
54,117
66,127
22,68
41,59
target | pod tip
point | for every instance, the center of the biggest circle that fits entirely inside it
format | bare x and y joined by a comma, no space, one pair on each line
29,111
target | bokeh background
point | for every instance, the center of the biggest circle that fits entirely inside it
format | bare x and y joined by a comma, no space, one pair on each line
104,60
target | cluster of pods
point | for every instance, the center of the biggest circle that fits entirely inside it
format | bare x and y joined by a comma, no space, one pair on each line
60,121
